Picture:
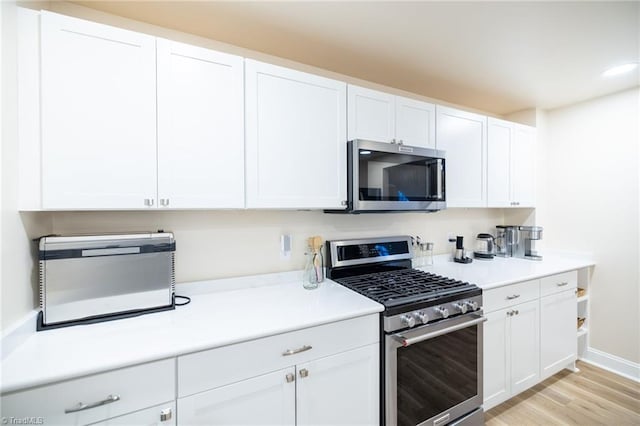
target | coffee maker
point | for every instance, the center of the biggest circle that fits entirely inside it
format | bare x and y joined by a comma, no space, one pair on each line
526,239
506,240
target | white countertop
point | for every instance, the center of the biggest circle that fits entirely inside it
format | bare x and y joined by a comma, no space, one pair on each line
224,312
502,271
242,309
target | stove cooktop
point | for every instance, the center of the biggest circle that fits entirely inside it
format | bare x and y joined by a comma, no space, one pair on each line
406,286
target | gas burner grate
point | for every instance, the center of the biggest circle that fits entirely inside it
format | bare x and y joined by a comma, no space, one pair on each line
403,286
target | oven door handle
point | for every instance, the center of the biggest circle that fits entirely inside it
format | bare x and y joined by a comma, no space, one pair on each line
411,340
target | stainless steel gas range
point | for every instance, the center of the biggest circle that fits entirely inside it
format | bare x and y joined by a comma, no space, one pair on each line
431,332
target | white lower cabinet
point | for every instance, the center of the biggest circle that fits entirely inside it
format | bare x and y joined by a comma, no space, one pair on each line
511,352
327,374
339,389
530,334
266,399
558,331
104,397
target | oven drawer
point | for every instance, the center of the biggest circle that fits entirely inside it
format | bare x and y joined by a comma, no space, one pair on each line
209,369
510,295
111,394
559,282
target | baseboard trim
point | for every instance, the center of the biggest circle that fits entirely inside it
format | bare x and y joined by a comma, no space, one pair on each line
615,364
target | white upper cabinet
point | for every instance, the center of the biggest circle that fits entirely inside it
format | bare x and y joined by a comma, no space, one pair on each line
499,137
415,122
295,139
200,127
511,164
523,166
463,136
383,117
370,114
98,115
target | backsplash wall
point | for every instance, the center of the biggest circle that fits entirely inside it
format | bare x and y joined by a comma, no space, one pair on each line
218,244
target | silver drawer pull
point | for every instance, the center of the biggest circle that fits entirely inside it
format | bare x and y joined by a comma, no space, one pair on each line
304,373
296,351
290,377
562,284
515,296
82,406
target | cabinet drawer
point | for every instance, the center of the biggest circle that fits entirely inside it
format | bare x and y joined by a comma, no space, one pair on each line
509,295
136,387
559,282
221,366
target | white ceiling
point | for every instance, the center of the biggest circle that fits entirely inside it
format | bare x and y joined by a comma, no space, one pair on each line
500,57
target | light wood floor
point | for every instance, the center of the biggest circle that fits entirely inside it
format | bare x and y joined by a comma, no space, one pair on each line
591,397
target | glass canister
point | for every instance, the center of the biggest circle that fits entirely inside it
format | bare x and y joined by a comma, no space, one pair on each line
425,254
314,264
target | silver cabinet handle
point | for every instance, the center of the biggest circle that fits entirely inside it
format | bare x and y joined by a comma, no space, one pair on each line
165,414
149,202
296,351
290,377
82,406
304,373
562,284
164,202
515,296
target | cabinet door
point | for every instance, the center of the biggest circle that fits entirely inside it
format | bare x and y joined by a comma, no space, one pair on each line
160,415
525,346
340,389
296,139
558,339
268,399
496,358
499,137
98,115
415,122
523,170
463,136
200,127
370,114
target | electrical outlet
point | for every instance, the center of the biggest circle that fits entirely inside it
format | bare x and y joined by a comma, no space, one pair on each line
285,246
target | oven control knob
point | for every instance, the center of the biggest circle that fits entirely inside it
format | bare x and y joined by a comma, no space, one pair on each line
471,305
444,312
461,307
408,321
422,317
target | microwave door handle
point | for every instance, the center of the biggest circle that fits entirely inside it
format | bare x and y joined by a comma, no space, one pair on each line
439,173
404,341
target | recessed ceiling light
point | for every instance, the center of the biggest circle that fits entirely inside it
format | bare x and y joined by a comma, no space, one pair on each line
620,69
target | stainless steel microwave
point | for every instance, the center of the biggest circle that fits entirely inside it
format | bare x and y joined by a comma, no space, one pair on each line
91,278
386,177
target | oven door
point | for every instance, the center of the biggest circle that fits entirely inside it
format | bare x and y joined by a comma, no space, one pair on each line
433,374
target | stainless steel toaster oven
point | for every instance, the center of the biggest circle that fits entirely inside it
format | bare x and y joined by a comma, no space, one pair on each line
91,278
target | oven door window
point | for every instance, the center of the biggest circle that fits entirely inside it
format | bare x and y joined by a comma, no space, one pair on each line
435,375
387,176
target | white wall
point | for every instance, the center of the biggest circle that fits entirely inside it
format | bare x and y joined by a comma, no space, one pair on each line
590,203
216,244
17,290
